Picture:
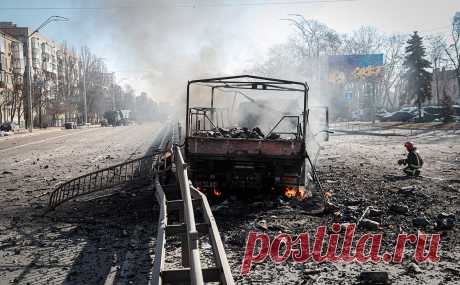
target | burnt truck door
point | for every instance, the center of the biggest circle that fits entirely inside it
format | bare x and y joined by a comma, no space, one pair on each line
318,123
318,132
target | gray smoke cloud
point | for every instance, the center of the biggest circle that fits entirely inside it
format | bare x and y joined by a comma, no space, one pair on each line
170,42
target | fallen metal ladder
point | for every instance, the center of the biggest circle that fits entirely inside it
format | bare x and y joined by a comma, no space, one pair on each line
192,271
138,171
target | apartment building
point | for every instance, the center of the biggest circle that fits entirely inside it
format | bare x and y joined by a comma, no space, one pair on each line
445,83
44,66
68,77
55,73
57,79
11,79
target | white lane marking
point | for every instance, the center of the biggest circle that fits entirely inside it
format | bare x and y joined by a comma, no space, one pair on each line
125,266
19,162
111,275
45,140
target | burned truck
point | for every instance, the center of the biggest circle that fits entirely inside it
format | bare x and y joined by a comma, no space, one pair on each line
244,135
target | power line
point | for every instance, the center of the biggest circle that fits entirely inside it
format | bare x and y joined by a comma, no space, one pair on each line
437,29
267,3
430,34
186,5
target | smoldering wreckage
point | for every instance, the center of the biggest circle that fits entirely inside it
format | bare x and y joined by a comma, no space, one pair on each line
266,179
275,174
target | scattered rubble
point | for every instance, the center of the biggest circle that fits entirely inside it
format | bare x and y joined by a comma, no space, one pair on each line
374,278
445,221
414,268
374,212
399,209
369,224
451,188
262,224
407,190
421,221
240,133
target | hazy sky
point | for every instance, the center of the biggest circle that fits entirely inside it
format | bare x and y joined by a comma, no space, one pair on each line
146,42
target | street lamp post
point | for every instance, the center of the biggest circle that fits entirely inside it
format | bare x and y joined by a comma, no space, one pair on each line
29,63
85,110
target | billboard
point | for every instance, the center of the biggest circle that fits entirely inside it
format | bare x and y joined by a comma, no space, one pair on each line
350,62
343,68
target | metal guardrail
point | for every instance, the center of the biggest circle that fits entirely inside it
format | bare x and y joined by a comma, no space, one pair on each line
158,263
192,271
196,274
220,257
162,217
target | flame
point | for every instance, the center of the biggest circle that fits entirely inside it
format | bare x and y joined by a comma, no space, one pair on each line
290,192
295,192
217,193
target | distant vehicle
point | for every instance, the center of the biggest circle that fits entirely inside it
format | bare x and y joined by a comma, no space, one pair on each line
118,117
410,114
70,125
7,126
104,123
398,116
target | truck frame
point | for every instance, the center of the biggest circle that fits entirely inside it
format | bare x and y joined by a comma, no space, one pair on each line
221,165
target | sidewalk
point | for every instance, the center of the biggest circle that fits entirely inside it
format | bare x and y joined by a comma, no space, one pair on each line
25,132
36,131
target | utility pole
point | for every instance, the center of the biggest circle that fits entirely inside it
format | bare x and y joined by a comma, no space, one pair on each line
112,78
85,111
29,81
29,63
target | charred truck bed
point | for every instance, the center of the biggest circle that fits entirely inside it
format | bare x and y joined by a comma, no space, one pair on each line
228,157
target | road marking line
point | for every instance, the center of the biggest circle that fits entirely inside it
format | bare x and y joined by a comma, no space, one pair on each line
27,159
45,140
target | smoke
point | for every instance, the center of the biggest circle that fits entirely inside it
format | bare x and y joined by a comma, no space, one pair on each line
169,43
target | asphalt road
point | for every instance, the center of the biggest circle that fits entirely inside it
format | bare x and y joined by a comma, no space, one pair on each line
60,155
36,249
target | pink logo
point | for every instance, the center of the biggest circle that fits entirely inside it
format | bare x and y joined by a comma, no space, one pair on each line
298,249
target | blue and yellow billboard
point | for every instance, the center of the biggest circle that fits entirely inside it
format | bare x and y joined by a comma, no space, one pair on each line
343,68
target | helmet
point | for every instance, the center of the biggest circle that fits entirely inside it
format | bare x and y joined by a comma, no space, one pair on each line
409,146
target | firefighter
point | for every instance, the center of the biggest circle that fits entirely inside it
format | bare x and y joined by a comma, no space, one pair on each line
413,161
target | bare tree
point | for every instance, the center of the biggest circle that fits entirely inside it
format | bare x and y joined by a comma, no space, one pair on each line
285,60
453,50
318,39
11,101
436,52
69,83
365,40
393,46
3,103
91,79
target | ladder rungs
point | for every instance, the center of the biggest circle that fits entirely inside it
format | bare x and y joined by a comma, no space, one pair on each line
174,276
202,228
179,204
